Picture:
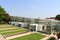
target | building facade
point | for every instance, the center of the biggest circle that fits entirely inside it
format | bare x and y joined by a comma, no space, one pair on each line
43,25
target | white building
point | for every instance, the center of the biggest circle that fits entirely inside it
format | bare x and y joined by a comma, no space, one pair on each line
34,27
43,25
20,24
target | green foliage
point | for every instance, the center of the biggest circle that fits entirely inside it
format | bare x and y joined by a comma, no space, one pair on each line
0,20
4,17
57,17
58,35
51,38
2,10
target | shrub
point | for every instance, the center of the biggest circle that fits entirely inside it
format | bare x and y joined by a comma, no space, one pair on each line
58,35
51,38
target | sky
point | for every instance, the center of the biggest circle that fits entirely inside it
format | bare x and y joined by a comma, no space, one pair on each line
32,8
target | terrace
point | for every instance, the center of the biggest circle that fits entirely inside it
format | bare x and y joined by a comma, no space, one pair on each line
7,30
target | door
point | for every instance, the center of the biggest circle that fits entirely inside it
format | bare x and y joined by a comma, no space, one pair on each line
33,28
43,27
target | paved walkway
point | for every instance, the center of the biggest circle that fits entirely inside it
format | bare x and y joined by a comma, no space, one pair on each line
49,37
42,34
2,38
45,38
19,35
7,28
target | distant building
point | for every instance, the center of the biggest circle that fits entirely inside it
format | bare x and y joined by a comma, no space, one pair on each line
45,25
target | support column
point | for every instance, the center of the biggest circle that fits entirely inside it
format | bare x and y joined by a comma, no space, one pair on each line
36,28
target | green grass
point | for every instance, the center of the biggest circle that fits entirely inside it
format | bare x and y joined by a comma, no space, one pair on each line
11,31
33,36
7,26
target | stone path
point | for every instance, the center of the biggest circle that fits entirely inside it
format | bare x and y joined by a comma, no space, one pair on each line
2,38
19,35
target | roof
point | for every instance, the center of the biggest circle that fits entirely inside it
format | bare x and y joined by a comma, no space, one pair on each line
52,20
33,24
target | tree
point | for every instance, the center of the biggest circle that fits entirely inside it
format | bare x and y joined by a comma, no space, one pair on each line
57,17
4,17
0,20
7,18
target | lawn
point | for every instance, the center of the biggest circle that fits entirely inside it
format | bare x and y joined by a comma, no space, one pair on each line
6,26
33,36
12,30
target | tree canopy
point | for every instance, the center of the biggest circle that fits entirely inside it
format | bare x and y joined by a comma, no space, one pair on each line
4,16
57,17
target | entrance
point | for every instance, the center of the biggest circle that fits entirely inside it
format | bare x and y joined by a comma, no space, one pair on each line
33,28
43,27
